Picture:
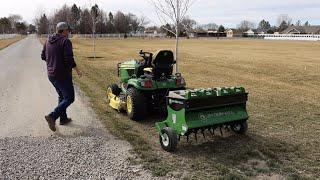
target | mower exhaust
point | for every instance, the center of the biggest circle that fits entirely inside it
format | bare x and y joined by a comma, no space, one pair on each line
199,110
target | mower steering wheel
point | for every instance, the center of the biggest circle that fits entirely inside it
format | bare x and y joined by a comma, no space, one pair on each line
147,56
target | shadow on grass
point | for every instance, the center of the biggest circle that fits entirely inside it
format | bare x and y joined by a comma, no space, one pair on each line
236,151
92,57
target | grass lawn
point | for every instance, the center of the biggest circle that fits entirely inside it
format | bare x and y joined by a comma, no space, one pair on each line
7,42
282,77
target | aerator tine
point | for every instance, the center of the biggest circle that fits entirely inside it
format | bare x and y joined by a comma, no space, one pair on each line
202,131
211,130
195,135
221,131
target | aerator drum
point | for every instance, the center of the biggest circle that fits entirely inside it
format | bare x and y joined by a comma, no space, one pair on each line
197,110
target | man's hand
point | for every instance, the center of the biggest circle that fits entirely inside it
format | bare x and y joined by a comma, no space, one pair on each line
78,72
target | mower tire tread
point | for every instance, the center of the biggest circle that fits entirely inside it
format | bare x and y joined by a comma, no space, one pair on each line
139,108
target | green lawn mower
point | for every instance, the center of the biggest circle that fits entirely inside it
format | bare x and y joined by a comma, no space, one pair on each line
149,85
145,84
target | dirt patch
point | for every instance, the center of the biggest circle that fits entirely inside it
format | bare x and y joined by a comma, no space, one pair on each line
92,57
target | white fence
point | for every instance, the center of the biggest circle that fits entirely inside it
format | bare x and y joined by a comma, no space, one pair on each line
160,35
7,36
297,37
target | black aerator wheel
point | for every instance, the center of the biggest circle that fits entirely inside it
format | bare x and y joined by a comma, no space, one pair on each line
239,127
168,139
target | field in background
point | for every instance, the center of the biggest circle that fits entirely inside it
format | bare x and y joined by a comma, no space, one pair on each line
7,42
282,78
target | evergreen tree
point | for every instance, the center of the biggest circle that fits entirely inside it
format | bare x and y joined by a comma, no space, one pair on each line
283,26
76,15
43,25
264,25
221,29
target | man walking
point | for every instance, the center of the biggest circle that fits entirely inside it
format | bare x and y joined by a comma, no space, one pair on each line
58,54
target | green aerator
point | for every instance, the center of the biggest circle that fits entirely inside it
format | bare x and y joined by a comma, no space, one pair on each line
197,110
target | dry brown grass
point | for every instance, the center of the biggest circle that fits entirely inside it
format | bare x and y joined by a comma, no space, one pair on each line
282,78
7,42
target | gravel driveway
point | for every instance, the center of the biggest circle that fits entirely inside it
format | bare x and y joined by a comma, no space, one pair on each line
29,150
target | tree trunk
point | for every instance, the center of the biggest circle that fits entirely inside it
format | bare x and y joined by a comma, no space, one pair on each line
94,38
177,48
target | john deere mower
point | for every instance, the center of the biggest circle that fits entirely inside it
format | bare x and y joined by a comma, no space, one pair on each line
144,84
148,85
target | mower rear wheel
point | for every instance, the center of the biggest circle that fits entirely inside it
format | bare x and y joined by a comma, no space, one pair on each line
168,139
114,89
136,104
240,127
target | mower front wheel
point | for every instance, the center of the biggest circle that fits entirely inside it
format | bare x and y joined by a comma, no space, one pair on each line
114,89
168,139
136,104
240,127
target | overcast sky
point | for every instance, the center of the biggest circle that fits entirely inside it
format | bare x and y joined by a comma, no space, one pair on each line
227,12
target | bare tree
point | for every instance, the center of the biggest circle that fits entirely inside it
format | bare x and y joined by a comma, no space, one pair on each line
85,22
94,14
172,12
188,25
245,25
14,18
210,26
5,25
120,22
63,14
143,21
284,18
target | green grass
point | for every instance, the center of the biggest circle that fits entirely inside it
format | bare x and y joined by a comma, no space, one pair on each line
282,79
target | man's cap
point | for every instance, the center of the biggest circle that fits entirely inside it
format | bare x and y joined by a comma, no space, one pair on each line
63,26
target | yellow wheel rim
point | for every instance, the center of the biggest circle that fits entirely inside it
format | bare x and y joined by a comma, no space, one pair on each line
129,104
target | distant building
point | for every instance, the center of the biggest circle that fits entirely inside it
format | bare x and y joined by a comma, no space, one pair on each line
229,33
208,33
248,33
261,31
152,30
302,30
237,33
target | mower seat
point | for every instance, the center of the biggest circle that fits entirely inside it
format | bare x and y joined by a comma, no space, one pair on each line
163,64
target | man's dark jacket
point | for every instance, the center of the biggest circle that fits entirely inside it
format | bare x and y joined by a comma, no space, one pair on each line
58,53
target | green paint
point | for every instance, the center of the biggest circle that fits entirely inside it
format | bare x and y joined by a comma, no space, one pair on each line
186,118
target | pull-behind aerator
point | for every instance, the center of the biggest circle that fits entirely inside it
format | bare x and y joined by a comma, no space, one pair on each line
194,111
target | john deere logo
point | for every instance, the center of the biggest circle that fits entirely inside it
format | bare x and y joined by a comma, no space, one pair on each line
171,101
205,117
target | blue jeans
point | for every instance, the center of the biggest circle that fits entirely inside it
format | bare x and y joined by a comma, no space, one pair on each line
65,91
